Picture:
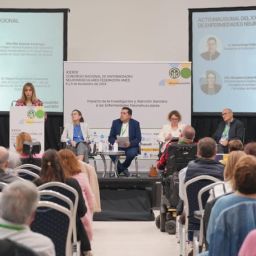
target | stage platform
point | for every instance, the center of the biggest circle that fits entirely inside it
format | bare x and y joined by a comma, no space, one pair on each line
128,198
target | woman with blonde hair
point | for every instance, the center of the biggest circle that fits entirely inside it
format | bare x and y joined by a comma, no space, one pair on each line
28,97
72,169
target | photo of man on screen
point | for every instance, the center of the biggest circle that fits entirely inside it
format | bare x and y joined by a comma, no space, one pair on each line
211,53
210,85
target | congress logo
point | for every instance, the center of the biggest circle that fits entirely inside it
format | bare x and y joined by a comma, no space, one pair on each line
174,73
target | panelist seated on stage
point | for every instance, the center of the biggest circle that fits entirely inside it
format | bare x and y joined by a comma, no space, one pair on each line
125,126
229,129
28,97
76,135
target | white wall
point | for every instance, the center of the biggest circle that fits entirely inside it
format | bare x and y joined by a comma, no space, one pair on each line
146,30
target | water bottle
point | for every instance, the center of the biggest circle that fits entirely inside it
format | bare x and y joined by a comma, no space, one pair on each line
115,147
100,146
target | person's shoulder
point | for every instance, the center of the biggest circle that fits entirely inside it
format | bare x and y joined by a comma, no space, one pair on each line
134,121
41,241
19,102
205,55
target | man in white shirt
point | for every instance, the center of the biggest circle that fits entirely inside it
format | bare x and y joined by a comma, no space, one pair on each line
18,203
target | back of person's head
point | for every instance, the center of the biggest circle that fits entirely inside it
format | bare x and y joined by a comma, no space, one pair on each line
4,155
245,175
206,148
69,162
250,148
20,139
13,160
234,145
233,158
51,167
188,132
19,201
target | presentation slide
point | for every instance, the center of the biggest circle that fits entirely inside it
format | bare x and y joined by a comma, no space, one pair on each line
31,50
224,60
100,89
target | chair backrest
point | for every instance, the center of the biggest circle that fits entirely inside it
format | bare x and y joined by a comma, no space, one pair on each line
179,155
30,167
55,222
26,174
191,190
11,248
232,226
68,192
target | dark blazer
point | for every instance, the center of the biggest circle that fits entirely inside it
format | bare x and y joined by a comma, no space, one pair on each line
134,132
236,131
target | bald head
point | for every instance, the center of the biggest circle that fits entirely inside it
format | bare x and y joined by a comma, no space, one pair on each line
4,155
188,132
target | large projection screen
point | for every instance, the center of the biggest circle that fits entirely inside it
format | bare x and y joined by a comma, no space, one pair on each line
32,49
223,54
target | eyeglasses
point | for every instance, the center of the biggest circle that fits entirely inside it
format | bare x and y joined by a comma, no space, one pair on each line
174,119
225,113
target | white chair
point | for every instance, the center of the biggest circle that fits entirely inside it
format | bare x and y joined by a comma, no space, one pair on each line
26,174
56,197
29,167
2,185
72,194
196,183
54,221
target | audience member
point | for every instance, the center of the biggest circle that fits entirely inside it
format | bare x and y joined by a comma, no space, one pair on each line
234,145
125,126
18,204
5,175
245,191
229,129
72,169
53,171
76,135
28,96
186,137
250,149
171,130
248,247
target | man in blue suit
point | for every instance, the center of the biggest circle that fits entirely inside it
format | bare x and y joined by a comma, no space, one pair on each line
125,126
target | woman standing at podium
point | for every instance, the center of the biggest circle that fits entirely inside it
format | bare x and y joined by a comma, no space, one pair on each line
28,97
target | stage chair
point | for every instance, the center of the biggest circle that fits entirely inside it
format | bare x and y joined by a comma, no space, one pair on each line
55,222
27,175
190,231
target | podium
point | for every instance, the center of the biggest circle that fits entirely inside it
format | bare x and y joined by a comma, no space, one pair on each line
28,119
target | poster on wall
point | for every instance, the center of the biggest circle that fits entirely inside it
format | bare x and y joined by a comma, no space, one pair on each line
100,89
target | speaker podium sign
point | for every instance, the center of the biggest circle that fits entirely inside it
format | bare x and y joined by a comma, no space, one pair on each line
28,119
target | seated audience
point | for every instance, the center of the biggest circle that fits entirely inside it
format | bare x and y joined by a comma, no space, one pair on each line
248,247
171,130
245,191
72,169
53,171
76,136
186,137
18,205
234,145
229,129
26,158
250,149
205,164
5,175
94,183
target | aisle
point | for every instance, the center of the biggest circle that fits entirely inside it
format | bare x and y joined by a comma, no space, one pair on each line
132,239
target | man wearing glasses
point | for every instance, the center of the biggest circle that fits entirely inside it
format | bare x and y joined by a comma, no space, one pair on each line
229,129
125,126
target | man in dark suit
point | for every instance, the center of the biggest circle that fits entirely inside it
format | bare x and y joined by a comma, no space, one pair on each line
125,126
229,129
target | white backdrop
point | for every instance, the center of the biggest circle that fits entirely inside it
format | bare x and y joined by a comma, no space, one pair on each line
100,89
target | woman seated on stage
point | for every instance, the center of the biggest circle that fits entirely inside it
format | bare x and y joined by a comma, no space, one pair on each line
28,97
76,135
171,130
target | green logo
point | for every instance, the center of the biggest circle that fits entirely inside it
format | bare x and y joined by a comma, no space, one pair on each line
185,73
39,113
174,73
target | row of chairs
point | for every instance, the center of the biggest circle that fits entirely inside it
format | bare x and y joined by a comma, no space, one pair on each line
56,216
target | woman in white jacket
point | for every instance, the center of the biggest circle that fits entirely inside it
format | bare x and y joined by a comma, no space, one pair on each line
76,135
